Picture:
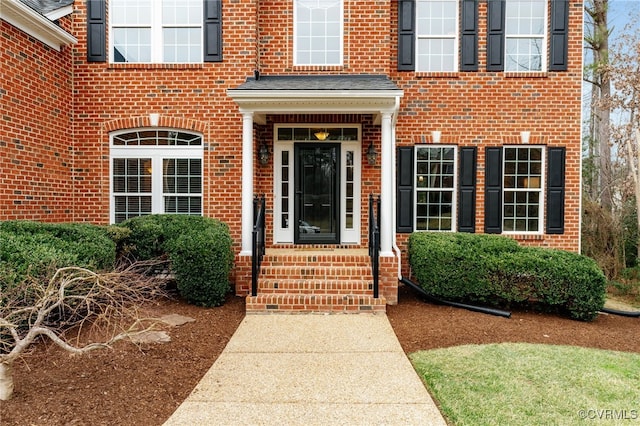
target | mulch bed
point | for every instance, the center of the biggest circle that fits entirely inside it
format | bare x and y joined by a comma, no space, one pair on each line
143,385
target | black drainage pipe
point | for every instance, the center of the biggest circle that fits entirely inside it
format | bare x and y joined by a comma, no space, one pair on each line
439,301
635,314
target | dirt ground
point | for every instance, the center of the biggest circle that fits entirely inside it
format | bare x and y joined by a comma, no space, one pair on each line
131,385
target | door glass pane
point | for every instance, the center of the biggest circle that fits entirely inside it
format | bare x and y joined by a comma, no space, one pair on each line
349,195
317,193
284,168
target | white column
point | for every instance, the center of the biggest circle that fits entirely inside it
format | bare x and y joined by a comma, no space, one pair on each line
247,182
386,188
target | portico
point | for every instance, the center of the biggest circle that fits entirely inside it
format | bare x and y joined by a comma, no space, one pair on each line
349,94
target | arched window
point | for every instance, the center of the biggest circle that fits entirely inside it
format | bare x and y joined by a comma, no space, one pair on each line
155,171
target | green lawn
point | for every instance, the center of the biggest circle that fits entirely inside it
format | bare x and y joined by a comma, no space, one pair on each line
527,384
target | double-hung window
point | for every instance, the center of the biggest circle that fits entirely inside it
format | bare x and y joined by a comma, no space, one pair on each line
525,32
522,190
318,32
435,187
155,171
437,35
156,31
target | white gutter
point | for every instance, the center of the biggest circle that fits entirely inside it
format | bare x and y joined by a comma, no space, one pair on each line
395,247
36,25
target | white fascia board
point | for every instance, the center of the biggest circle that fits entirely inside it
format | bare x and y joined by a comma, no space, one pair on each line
31,22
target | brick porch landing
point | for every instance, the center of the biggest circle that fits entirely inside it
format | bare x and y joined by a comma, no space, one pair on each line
315,280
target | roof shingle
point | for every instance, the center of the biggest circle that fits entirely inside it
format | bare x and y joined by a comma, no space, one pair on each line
319,82
45,6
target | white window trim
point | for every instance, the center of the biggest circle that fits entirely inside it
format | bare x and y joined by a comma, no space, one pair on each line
541,200
295,38
454,190
544,37
455,37
157,153
157,43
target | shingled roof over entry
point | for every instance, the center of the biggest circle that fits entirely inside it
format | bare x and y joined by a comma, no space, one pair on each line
317,94
319,82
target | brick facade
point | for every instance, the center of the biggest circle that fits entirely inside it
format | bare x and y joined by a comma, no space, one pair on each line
36,133
59,110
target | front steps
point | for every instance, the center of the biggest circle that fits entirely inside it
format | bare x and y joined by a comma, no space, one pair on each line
322,280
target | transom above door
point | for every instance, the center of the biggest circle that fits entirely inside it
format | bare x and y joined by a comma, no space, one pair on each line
317,184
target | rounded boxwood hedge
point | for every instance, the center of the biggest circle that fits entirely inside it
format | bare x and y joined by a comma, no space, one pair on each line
199,249
38,249
496,270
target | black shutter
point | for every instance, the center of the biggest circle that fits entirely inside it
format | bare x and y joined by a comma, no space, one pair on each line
558,56
96,31
555,190
406,35
212,30
493,191
404,195
495,35
467,190
469,36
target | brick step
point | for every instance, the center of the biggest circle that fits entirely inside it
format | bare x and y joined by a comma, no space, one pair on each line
310,303
304,260
313,280
317,272
315,286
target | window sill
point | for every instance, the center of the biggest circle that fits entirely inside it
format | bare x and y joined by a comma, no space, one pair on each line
526,237
528,74
319,68
145,66
438,74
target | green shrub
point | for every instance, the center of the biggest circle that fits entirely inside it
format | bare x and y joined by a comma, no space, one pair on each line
496,270
454,265
201,261
37,249
120,237
199,249
29,255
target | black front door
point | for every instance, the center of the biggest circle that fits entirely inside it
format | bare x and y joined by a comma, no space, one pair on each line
317,193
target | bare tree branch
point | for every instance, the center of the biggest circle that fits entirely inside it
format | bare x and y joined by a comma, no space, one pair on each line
74,298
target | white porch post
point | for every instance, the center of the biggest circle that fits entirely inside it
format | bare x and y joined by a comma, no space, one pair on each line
386,188
247,182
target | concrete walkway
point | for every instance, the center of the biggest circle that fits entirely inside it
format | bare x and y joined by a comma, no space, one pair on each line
310,370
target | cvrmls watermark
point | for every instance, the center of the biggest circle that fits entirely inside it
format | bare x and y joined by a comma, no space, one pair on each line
609,414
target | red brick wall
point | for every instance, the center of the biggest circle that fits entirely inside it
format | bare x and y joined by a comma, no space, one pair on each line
111,97
35,129
491,108
366,39
470,108
58,110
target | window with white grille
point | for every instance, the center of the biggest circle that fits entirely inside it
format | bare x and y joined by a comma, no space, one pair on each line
155,171
156,31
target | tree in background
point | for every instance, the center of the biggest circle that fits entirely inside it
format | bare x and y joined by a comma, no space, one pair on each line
624,104
596,39
612,145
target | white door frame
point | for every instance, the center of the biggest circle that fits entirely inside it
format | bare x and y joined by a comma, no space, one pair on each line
283,185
